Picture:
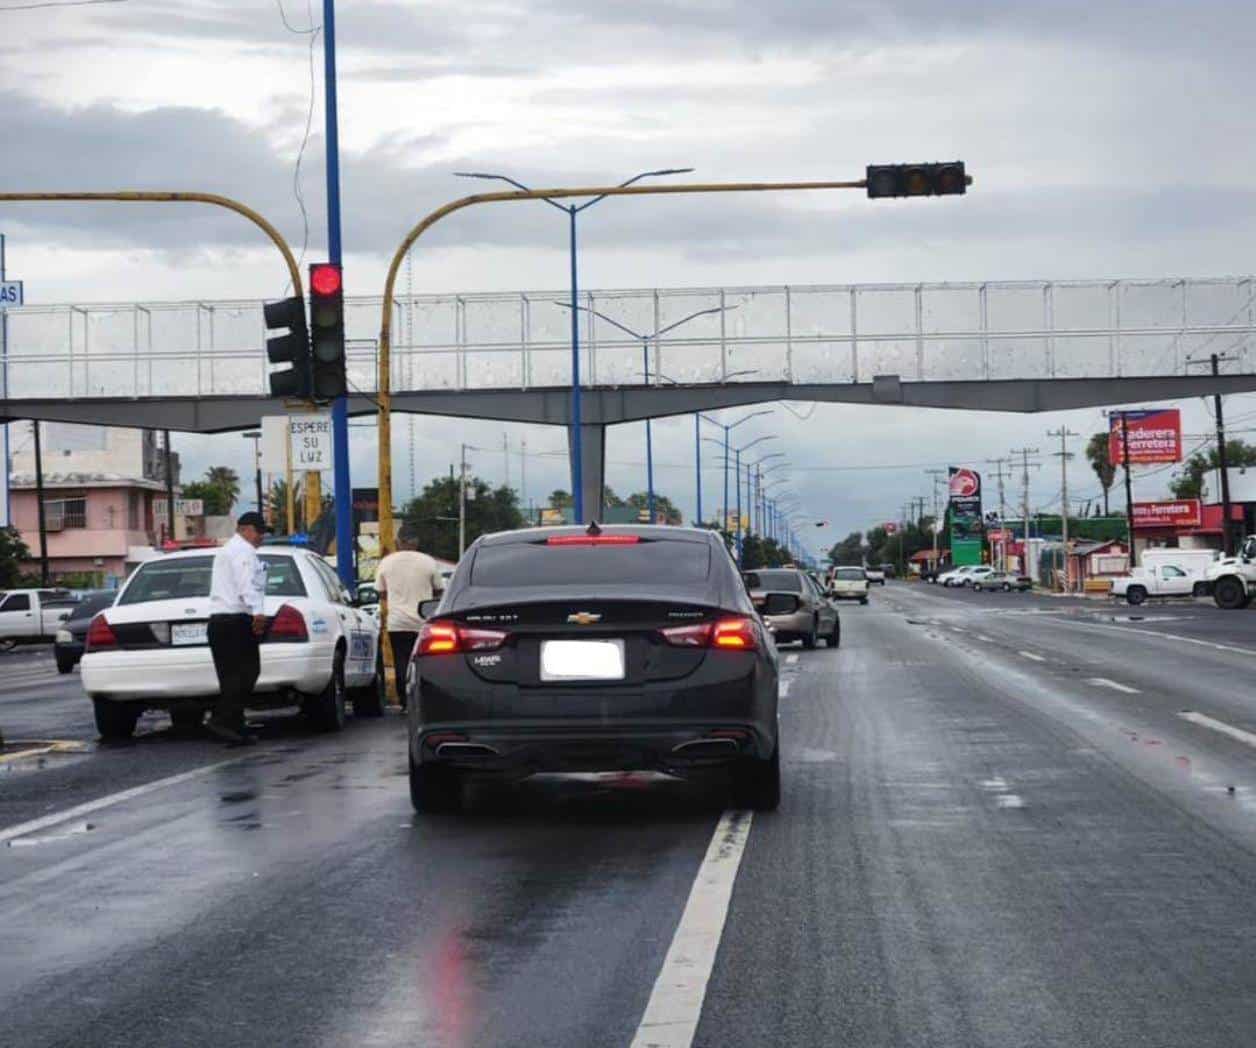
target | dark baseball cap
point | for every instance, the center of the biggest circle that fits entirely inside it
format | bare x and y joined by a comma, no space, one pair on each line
256,520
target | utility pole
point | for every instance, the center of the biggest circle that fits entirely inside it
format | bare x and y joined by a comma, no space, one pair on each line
1024,454
462,503
1227,531
936,475
506,456
39,501
1129,484
170,532
998,464
1064,455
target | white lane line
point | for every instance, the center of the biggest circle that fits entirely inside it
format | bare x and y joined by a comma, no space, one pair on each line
1104,682
22,829
1216,646
1208,722
783,689
1031,655
675,1005
984,639
959,629
791,659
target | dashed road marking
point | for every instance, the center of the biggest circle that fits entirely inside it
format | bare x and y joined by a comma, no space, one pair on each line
1031,655
1104,682
791,659
984,639
1225,729
675,1005
784,687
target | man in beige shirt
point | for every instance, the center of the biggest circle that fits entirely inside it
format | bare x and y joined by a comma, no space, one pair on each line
405,579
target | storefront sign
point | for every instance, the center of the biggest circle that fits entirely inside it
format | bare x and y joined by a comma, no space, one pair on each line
1182,513
967,527
1154,436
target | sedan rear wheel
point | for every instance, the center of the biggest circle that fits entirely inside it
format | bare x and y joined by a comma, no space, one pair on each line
757,783
834,639
435,790
326,710
115,720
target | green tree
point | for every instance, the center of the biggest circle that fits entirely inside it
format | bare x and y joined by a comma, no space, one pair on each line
432,516
849,550
663,506
1187,485
218,490
1097,456
13,552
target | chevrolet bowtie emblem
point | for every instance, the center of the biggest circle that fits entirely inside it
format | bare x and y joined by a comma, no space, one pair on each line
583,618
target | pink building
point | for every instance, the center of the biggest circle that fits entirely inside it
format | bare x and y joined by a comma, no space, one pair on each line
104,498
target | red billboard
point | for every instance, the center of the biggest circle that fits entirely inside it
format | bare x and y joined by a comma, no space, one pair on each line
1180,513
1154,436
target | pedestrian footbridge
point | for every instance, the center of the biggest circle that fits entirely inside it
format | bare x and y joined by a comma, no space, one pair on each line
996,346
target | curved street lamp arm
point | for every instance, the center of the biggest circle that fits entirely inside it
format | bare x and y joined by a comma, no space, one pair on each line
635,178
609,320
510,181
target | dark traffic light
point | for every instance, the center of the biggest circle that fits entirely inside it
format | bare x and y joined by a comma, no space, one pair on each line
910,180
292,348
327,331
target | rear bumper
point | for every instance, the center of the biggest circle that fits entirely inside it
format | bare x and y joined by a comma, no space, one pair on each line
169,674
849,595
788,627
526,749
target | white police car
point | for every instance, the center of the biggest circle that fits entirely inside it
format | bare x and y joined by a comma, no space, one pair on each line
150,649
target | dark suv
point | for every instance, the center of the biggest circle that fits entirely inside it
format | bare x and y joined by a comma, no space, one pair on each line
598,649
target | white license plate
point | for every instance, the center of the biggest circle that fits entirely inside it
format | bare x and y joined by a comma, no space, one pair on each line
569,660
189,633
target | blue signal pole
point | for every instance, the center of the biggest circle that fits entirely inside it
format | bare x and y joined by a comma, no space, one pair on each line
340,406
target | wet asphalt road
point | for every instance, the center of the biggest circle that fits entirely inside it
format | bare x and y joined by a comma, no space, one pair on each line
1008,820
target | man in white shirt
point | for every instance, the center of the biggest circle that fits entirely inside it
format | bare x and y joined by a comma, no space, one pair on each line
236,623
405,579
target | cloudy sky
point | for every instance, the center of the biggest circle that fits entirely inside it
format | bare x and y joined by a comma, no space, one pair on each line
1107,138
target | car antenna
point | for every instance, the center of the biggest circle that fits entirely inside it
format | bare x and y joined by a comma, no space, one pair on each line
593,529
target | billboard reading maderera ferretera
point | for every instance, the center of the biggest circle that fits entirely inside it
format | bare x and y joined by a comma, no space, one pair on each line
1155,436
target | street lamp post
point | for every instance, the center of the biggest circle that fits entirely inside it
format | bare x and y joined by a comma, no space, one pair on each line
254,435
737,476
728,429
645,363
573,210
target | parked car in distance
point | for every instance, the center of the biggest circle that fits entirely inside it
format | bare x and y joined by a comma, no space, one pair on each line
1161,580
890,571
150,649
70,639
946,578
32,616
794,606
849,584
620,648
1002,580
875,574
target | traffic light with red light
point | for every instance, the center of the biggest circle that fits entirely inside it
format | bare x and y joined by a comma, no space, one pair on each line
327,331
911,180
292,348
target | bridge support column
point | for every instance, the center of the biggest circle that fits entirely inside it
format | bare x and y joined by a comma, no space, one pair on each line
593,466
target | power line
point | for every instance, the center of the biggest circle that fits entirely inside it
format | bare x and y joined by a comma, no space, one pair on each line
59,3
297,191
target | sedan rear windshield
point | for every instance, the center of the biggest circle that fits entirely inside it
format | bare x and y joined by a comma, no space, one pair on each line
190,577
640,563
851,573
788,581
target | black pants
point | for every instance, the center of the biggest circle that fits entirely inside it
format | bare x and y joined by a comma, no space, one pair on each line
237,663
402,642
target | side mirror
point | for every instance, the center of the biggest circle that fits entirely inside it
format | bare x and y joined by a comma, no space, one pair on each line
427,608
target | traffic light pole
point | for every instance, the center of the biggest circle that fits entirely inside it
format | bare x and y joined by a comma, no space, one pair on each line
339,407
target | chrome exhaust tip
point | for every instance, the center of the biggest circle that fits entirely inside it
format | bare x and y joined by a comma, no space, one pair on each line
706,748
465,749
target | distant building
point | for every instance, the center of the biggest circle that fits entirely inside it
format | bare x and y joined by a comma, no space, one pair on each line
104,498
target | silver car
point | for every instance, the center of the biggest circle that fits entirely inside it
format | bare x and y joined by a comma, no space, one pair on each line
794,606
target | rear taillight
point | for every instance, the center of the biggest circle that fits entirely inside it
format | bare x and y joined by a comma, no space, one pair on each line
288,625
592,540
100,635
731,634
736,634
448,638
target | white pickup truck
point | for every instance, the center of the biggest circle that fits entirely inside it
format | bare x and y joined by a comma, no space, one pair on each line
1233,579
1166,573
28,616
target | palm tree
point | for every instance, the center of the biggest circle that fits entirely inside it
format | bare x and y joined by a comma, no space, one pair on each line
226,480
1097,455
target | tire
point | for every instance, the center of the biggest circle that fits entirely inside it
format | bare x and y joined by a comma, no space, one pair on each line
187,718
8,644
435,790
834,639
976,587
863,600
1007,587
757,783
115,720
810,639
368,701
65,663
1230,593
1136,595
326,710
